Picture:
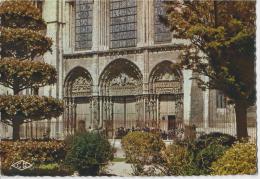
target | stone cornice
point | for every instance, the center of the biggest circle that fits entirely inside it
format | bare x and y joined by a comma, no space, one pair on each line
124,51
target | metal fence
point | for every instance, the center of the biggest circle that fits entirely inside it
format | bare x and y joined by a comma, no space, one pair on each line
55,129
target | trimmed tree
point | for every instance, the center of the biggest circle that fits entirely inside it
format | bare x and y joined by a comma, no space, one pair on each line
22,40
221,36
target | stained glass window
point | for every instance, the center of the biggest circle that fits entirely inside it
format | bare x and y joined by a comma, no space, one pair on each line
162,33
83,23
122,23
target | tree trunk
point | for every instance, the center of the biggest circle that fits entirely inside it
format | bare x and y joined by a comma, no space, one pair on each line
241,120
16,129
16,119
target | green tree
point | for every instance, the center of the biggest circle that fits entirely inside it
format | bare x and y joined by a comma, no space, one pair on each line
221,45
22,40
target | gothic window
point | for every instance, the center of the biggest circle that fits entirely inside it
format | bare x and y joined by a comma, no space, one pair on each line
83,24
122,23
162,34
221,103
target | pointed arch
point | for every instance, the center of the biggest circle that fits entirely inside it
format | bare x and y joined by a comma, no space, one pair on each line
121,77
165,77
78,83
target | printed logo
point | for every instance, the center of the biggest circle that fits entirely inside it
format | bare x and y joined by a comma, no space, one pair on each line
21,165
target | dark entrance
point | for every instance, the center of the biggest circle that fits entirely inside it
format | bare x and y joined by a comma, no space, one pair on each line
171,122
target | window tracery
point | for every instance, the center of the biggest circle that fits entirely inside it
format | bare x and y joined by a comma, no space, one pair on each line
83,24
162,34
122,23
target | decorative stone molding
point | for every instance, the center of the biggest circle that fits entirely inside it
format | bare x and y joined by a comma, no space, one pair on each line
124,51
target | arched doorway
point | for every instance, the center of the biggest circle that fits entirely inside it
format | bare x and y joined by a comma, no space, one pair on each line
166,87
77,98
120,85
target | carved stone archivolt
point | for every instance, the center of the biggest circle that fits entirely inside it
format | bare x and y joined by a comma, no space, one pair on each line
121,102
121,78
78,86
165,79
78,83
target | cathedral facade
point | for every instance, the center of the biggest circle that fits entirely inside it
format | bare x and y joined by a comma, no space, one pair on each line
117,68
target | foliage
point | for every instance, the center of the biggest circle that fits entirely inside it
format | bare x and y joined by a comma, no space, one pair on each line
142,147
45,156
22,36
23,43
206,156
205,150
221,36
214,138
34,74
176,160
239,159
88,152
49,166
23,14
29,107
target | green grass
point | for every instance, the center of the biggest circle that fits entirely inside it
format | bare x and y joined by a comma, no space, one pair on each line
119,160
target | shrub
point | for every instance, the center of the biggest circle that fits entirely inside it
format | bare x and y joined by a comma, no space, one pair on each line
88,152
37,153
142,147
206,156
176,160
206,149
214,137
239,159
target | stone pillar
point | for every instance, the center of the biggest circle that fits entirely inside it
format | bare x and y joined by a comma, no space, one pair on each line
74,107
144,22
138,109
96,25
179,107
187,74
111,109
105,23
157,110
146,109
150,23
55,23
100,124
141,15
105,108
55,28
100,37
95,108
206,107
69,115
90,112
197,103
69,29
153,110
66,117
